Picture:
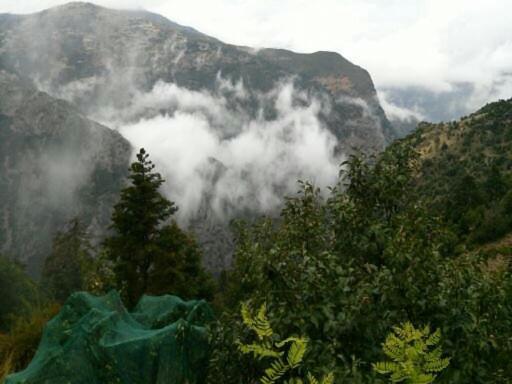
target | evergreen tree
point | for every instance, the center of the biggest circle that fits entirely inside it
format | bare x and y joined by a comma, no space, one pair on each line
148,255
63,268
495,185
177,266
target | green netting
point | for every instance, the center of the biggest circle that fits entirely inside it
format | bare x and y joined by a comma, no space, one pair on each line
94,340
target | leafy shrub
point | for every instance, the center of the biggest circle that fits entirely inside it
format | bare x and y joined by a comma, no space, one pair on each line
17,290
18,346
64,270
343,270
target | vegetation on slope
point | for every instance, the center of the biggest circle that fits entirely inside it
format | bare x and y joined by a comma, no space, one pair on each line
403,238
345,269
466,169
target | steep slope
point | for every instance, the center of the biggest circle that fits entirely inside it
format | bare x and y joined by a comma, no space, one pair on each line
97,58
54,164
139,70
466,170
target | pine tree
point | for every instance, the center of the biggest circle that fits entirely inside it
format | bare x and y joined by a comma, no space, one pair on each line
177,266
135,221
63,268
151,254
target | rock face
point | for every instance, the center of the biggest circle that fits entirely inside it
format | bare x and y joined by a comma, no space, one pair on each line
112,66
54,164
97,57
94,340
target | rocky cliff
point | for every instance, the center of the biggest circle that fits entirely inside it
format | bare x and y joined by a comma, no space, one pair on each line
54,164
97,57
124,67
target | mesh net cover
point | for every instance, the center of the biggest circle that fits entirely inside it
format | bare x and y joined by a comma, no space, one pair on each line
95,340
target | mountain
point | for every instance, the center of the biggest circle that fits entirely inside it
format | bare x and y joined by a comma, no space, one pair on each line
98,57
465,170
54,164
83,63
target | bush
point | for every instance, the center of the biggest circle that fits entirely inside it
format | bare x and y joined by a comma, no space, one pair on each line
17,291
343,270
18,346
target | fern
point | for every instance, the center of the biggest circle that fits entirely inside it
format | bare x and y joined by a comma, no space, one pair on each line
259,323
414,354
296,352
266,347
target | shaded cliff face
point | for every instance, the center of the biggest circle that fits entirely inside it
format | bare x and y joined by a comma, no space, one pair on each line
231,128
54,164
97,58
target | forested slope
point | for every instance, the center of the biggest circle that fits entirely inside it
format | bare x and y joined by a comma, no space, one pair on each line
465,167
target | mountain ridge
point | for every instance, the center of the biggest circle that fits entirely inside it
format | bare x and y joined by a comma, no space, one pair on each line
82,42
103,62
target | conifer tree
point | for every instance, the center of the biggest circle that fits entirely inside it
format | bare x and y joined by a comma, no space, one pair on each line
63,268
151,254
135,221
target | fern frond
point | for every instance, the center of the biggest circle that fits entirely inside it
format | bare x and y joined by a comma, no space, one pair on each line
393,348
258,350
261,323
436,365
424,379
312,379
385,367
433,355
398,376
277,369
258,323
246,315
434,338
265,347
288,340
412,360
296,352
328,379
295,380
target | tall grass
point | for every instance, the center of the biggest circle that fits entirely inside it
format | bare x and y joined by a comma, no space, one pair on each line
19,344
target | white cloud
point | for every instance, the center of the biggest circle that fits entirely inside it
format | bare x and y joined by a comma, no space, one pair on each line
402,42
238,163
395,112
427,43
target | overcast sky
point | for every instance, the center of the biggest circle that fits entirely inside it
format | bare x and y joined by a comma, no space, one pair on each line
429,43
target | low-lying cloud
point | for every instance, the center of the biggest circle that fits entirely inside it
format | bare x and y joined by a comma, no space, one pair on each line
223,158
396,112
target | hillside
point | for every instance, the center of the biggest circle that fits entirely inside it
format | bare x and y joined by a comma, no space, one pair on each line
98,57
465,168
54,164
139,69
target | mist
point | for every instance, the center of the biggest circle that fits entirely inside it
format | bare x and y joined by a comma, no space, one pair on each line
225,158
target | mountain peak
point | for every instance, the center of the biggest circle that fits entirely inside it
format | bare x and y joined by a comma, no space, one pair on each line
73,5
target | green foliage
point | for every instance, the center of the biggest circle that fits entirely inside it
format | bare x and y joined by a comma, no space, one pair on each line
415,355
149,256
64,269
22,317
74,265
286,356
17,291
135,220
19,344
177,266
468,176
343,269
98,276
